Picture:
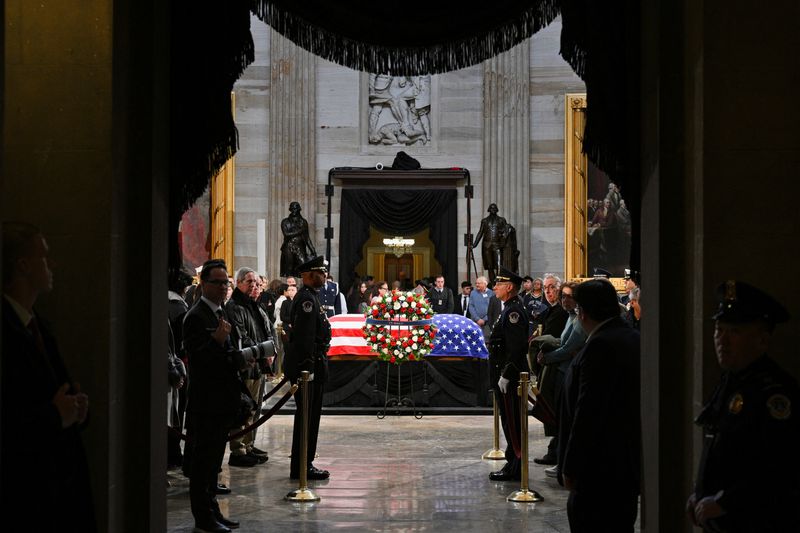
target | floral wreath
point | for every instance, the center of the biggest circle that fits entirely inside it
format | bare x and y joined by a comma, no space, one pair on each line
399,327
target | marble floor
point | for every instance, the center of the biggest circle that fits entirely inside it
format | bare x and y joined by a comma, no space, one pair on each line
398,474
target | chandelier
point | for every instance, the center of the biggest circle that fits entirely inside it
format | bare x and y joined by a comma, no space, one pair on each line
398,246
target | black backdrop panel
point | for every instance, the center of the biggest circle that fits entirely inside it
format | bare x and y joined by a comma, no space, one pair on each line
397,212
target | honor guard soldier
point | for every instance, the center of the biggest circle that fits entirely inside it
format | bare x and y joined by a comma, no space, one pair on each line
307,349
329,298
749,474
507,358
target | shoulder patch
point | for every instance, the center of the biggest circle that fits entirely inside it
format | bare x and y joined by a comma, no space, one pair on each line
308,306
513,317
780,407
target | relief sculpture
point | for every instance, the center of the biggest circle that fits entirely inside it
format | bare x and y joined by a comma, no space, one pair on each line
399,109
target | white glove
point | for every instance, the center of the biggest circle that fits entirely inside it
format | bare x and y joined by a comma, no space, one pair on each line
503,384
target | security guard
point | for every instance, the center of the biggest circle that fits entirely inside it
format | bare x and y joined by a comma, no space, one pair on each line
329,298
307,350
507,358
749,474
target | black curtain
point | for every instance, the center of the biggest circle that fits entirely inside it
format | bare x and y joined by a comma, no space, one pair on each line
398,212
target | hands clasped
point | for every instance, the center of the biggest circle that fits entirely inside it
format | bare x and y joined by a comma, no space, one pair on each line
71,407
502,384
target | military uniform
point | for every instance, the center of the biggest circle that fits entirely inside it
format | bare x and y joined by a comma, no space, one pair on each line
751,433
329,299
507,358
307,349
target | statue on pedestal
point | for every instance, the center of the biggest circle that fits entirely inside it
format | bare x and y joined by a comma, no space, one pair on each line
297,247
499,243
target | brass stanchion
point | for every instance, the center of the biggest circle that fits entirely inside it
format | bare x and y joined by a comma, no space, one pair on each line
278,355
495,453
303,493
523,495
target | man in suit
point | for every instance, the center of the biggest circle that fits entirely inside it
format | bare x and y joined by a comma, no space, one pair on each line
462,302
43,410
601,399
747,479
214,393
553,320
507,358
307,349
441,297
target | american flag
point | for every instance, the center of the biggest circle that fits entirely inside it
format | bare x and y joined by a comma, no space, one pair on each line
457,336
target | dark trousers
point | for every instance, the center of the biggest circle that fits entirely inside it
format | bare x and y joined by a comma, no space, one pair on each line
509,419
209,434
315,390
613,507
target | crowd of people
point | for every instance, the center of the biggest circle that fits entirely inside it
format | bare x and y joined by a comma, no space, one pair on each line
580,340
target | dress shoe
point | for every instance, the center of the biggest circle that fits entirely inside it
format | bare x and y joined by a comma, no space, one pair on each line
546,459
233,524
313,473
260,459
211,527
503,475
242,460
552,471
256,451
221,488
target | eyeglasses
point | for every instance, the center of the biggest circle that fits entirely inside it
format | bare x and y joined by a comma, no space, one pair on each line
385,288
220,282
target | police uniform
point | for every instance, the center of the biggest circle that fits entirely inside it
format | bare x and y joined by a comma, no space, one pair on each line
507,358
329,299
307,349
751,434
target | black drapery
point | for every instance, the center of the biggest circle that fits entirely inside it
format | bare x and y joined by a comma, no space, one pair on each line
211,45
398,212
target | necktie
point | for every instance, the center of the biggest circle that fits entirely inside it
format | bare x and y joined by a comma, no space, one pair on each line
465,304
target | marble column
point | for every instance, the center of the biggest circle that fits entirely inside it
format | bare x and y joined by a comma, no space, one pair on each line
506,142
291,141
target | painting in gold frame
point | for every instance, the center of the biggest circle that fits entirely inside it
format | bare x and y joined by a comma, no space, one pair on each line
596,218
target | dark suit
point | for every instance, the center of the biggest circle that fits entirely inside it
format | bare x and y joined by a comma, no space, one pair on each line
600,430
214,399
458,307
495,307
41,461
441,301
507,358
307,349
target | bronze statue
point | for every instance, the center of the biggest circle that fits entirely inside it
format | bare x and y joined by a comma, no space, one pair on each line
297,247
498,250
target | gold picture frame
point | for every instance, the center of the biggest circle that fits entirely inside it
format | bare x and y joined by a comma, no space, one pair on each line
576,212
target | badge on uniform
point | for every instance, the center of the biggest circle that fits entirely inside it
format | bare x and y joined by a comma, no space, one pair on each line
780,407
308,306
440,302
513,317
737,402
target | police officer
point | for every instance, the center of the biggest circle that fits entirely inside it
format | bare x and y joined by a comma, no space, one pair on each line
307,349
329,298
507,358
748,479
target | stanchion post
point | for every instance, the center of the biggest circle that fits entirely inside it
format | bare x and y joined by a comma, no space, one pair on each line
278,355
495,453
303,493
524,495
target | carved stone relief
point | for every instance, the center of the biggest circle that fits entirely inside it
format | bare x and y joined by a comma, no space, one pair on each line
399,110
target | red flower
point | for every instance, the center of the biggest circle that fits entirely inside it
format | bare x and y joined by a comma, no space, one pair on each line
411,357
410,299
392,359
427,327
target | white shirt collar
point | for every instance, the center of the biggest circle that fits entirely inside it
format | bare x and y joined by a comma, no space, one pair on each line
24,316
214,307
174,295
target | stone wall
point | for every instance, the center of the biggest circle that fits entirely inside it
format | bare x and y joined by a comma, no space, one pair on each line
460,102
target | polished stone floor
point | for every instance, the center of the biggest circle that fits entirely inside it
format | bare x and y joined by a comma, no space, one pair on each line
398,474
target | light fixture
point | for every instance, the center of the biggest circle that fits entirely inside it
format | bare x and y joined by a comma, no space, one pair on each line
398,246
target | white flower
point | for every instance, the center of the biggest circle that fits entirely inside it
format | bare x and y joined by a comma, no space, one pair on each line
380,336
414,337
412,305
387,316
385,350
401,355
396,306
397,352
415,346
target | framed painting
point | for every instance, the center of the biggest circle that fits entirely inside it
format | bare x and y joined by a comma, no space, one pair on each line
596,216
